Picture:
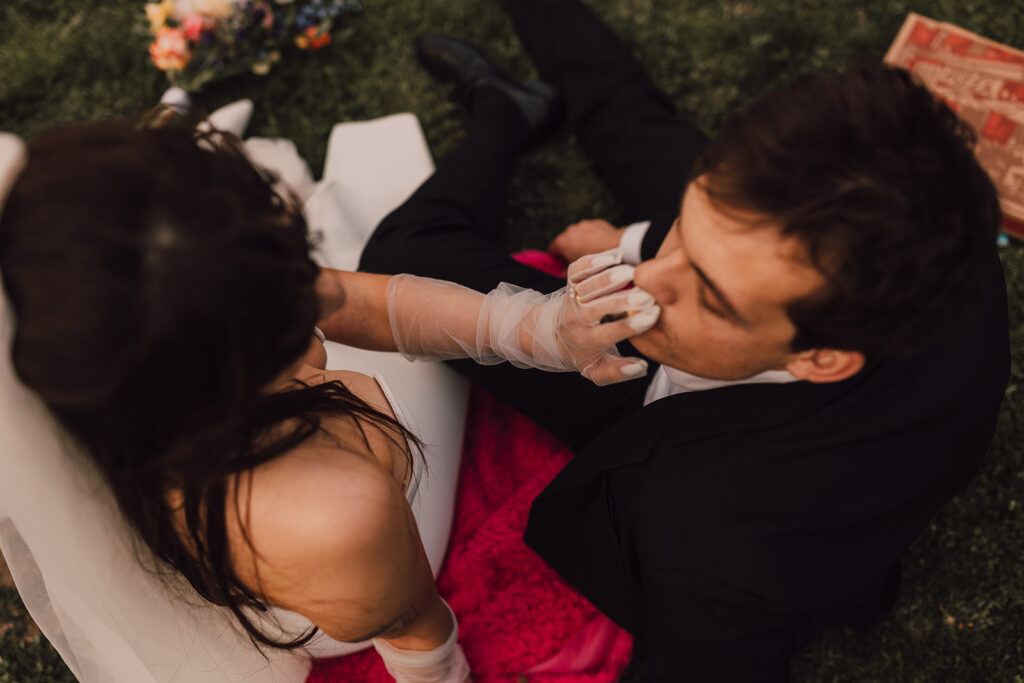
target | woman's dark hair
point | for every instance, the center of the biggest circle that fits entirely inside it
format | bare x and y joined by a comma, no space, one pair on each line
878,180
159,285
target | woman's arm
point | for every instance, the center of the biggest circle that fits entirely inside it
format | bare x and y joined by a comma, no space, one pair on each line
355,309
573,329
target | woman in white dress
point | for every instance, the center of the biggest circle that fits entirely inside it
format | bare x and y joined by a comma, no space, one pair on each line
165,301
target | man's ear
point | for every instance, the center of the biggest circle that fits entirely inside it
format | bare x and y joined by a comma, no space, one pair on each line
825,365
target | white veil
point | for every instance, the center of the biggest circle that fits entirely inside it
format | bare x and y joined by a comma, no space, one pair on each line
74,563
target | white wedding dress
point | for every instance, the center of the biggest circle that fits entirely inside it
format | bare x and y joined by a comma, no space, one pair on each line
70,552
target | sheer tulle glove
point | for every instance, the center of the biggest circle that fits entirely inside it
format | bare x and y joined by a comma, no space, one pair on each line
445,664
573,329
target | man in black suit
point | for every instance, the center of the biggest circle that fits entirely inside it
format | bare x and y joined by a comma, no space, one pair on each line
827,368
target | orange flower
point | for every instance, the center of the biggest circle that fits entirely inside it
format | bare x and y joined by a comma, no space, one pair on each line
170,49
313,39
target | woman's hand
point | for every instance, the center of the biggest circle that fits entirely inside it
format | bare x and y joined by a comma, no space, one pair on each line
598,312
573,329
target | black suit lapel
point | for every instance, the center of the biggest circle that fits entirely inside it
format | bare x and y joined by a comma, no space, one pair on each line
695,415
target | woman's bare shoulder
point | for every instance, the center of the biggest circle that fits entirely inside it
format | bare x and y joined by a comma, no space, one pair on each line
313,495
319,522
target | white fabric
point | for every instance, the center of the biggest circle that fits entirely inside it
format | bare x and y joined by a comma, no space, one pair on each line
69,550
670,381
281,156
630,241
371,168
233,118
177,99
444,664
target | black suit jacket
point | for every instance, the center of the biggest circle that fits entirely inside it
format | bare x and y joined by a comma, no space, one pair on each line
726,528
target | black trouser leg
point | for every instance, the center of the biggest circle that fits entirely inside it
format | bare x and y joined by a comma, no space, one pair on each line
449,229
625,124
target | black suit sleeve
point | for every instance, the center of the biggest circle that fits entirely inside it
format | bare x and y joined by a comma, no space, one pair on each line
699,630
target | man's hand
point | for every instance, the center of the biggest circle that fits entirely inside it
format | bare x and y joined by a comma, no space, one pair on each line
585,237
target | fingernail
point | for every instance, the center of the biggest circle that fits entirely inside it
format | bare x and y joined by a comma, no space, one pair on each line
604,260
620,275
638,298
634,369
643,320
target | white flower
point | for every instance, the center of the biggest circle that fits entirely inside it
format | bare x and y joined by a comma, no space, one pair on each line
211,8
216,8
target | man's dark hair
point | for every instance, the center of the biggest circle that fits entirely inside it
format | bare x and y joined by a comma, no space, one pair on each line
878,179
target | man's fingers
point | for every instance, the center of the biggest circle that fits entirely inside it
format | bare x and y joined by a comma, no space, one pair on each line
563,243
588,265
589,236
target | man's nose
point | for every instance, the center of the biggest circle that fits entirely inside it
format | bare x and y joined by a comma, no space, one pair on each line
655,276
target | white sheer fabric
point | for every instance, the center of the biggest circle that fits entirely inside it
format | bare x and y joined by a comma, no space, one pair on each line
68,549
557,332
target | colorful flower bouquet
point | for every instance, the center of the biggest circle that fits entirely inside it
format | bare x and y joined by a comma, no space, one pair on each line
196,42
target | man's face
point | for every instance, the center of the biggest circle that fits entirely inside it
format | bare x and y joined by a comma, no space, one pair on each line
723,282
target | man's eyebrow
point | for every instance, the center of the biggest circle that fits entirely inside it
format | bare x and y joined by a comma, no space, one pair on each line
730,310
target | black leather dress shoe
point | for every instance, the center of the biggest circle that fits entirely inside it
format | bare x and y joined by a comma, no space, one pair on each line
454,60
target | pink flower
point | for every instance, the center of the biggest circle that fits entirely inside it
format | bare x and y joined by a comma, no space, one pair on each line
170,49
193,25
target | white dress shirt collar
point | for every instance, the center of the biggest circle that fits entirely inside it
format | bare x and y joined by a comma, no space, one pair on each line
669,381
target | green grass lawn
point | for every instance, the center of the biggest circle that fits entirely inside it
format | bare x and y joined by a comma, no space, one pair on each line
961,613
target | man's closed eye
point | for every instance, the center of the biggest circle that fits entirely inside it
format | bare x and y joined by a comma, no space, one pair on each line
706,305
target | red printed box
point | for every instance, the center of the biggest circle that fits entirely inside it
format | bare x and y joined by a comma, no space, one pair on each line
983,81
